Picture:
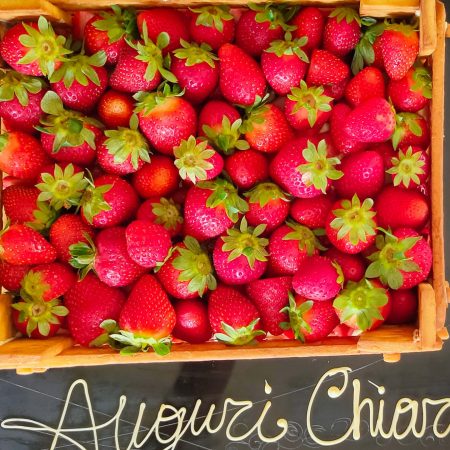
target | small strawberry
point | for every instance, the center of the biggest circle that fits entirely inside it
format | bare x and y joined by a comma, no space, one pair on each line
246,168
404,307
20,202
411,129
352,266
326,69
11,275
162,211
369,83
115,108
310,23
188,272
410,168
311,212
192,323
270,296
342,31
233,317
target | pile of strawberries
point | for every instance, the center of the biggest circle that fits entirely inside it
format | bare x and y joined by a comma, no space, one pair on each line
213,174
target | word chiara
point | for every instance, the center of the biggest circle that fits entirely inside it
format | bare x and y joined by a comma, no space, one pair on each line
419,416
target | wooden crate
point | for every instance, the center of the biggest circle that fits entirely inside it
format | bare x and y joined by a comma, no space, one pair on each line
27,356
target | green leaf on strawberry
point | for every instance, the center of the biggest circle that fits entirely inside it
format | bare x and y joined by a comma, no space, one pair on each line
131,343
364,54
146,101
196,54
212,16
44,215
275,15
241,336
406,167
16,85
422,81
289,46
93,201
117,23
296,313
263,193
405,122
167,213
227,138
307,239
83,256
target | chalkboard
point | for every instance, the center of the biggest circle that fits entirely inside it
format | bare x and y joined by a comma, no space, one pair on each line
255,401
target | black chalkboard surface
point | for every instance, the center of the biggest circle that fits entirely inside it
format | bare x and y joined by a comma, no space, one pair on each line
342,403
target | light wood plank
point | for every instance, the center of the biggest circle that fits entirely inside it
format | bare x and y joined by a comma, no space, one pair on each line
6,327
26,9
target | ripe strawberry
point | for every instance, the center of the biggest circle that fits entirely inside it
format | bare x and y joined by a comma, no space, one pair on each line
326,69
289,245
311,212
108,201
157,178
90,302
412,92
363,306
11,275
67,230
386,151
165,118
79,21
241,256
270,296
162,211
241,80
196,69
246,168
351,225
411,208
309,321
147,243
211,207
342,31
192,324
400,47
403,259
310,23
268,205
213,25
21,245
411,129
369,83
410,168
352,266
371,121
108,257
164,20
404,307
20,202
188,272
115,108
233,317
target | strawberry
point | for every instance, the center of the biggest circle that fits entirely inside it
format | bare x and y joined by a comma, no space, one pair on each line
399,47
115,108
369,83
411,129
363,306
284,63
21,245
20,202
386,151
270,296
404,307
309,321
326,69
289,245
403,259
342,31
196,69
67,230
352,266
165,118
311,212
212,25
33,48
246,168
412,92
371,121
164,20
233,317
192,324
241,80
108,257
108,201
211,207
20,100
197,161
411,208
147,243
90,302
157,178
188,272
410,168
351,224
310,23
268,205
368,49
241,255
162,211
79,21
302,168
11,275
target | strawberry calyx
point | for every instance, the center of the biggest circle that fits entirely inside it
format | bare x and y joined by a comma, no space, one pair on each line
33,285
15,84
405,122
406,167
364,53
422,81
354,220
297,322
167,213
319,168
195,267
227,137
195,54
131,343
307,238
361,300
110,327
83,256
349,14
246,241
93,201
45,46
146,101
289,47
255,114
240,336
192,159
44,216
263,193
117,23
275,15
63,189
226,196
40,314
310,98
390,260
402,28
212,16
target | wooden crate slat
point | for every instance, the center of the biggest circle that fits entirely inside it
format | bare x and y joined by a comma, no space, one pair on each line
6,326
24,9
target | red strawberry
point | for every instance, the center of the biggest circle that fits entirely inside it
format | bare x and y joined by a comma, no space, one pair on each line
246,168
241,80
410,168
115,108
192,323
79,21
342,31
311,212
188,272
90,302
310,23
147,243
369,83
326,69
11,275
22,245
289,245
411,129
233,317
270,296
352,266
309,321
162,211
371,121
213,25
411,208
386,150
404,307
20,202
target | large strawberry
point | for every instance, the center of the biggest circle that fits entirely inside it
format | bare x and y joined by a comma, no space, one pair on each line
11,275
20,202
368,83
326,69
247,168
311,212
162,211
411,129
309,22
115,108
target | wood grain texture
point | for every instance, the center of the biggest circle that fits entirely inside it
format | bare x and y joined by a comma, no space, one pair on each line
428,31
383,8
427,316
26,9
6,326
